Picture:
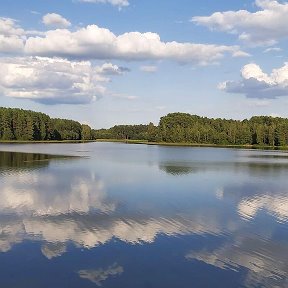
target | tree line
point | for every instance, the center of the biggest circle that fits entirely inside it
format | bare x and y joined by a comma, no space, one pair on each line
26,125
187,128
18,124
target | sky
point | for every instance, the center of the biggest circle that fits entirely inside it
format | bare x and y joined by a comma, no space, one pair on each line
108,62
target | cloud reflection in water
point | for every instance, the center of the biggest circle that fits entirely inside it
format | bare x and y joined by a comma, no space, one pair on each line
72,204
98,276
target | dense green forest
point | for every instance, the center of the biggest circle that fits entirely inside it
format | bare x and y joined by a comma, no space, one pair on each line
18,124
186,128
131,132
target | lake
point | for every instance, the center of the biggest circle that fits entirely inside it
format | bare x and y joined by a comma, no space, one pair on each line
123,215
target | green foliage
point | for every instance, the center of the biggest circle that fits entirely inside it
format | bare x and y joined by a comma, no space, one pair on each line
125,132
152,133
64,129
18,124
260,130
86,132
186,128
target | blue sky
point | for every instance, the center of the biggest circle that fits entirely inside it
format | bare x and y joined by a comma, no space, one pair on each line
107,62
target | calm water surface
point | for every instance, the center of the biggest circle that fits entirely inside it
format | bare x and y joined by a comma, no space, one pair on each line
120,215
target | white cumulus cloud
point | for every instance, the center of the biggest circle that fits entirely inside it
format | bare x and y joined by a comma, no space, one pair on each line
55,20
263,27
9,27
257,84
11,36
52,80
93,42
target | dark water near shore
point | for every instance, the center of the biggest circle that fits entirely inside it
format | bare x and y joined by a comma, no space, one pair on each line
138,216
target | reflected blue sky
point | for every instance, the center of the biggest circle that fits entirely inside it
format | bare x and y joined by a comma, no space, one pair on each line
125,215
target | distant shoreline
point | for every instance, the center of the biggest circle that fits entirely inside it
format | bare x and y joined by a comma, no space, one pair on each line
144,142
259,147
